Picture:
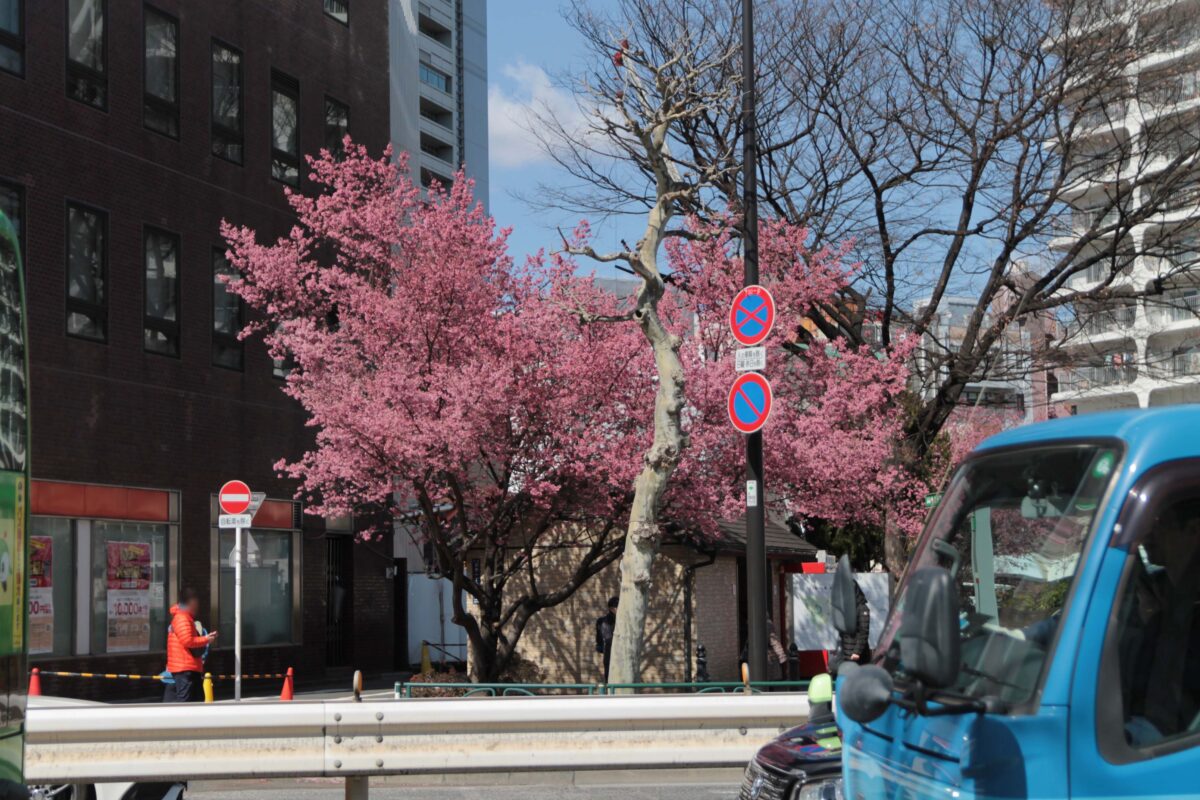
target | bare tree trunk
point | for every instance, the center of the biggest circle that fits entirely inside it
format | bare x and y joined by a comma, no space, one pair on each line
642,538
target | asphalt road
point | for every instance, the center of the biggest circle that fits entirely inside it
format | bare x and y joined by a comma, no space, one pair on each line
328,790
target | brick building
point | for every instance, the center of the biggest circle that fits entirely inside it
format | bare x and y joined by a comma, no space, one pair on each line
129,131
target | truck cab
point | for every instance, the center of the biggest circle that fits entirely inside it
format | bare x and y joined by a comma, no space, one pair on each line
1044,640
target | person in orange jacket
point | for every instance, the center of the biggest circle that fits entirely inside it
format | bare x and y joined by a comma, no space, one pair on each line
185,648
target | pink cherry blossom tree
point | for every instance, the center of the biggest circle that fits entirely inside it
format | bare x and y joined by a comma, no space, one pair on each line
448,389
505,410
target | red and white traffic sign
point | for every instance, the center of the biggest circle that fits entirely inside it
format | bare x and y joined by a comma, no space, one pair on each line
234,497
752,315
750,402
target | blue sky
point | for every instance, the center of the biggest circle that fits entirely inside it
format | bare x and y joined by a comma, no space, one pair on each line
526,50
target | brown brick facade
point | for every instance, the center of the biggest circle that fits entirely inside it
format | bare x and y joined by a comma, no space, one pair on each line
113,414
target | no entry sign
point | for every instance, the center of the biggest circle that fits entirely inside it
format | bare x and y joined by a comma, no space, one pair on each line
752,315
234,497
750,402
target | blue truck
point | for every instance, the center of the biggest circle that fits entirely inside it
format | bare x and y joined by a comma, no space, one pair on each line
1044,641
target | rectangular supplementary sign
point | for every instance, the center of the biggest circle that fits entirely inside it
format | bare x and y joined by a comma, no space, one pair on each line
750,359
235,520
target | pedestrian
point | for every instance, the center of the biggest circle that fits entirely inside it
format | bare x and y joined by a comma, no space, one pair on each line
856,646
605,626
187,646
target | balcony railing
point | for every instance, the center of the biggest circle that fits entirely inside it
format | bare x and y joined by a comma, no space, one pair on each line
1178,306
1108,320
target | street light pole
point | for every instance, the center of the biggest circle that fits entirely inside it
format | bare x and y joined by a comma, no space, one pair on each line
756,549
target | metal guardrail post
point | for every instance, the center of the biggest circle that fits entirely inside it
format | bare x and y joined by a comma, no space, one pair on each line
357,787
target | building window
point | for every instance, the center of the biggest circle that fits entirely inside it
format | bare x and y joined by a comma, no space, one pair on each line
337,125
161,110
12,36
99,586
87,43
87,273
267,586
285,139
435,78
162,292
339,10
228,316
12,205
282,367
226,102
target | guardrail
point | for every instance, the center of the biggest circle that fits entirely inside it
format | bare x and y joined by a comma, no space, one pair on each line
412,689
93,743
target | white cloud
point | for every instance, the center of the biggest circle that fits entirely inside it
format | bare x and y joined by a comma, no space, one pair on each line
512,113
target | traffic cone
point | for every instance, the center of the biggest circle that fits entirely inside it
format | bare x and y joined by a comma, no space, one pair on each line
208,687
286,695
426,662
35,683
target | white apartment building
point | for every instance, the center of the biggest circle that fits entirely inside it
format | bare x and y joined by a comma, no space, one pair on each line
439,91
1143,352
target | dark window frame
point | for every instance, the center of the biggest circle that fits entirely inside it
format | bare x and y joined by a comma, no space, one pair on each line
220,339
148,99
328,13
74,68
288,86
1161,486
331,100
16,41
169,328
216,128
74,305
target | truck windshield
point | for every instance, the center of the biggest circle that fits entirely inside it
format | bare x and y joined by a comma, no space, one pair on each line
1011,529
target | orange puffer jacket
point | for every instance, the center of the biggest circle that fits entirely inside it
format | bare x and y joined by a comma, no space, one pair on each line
182,640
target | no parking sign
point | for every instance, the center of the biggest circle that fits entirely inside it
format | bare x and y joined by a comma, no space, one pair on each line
750,402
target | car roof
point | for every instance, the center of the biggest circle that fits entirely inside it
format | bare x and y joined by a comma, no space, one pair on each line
1151,435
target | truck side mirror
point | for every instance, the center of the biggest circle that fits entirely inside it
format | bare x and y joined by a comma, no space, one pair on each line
929,636
866,692
845,604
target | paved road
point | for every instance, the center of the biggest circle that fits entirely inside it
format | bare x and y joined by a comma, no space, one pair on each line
329,791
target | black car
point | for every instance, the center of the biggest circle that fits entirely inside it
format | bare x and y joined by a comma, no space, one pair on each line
805,763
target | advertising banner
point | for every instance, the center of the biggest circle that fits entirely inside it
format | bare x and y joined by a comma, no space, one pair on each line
812,615
41,594
129,574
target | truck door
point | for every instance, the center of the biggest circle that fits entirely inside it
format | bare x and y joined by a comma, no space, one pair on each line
1135,701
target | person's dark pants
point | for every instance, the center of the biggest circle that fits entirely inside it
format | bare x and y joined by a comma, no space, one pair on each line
188,687
607,659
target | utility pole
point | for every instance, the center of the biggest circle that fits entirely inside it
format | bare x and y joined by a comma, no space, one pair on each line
756,548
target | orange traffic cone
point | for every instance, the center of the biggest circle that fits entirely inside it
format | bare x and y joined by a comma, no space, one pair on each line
35,683
286,694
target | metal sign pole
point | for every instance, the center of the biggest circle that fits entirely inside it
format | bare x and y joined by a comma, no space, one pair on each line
756,550
237,614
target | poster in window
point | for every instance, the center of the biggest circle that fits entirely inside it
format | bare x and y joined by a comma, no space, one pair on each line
41,594
12,563
129,574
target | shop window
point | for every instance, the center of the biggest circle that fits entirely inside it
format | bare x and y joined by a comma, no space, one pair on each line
129,579
98,586
12,36
51,586
161,112
226,102
87,272
161,332
339,10
228,316
337,125
285,133
87,45
267,587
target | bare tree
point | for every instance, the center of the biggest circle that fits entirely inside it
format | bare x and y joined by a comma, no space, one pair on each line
648,80
1016,152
